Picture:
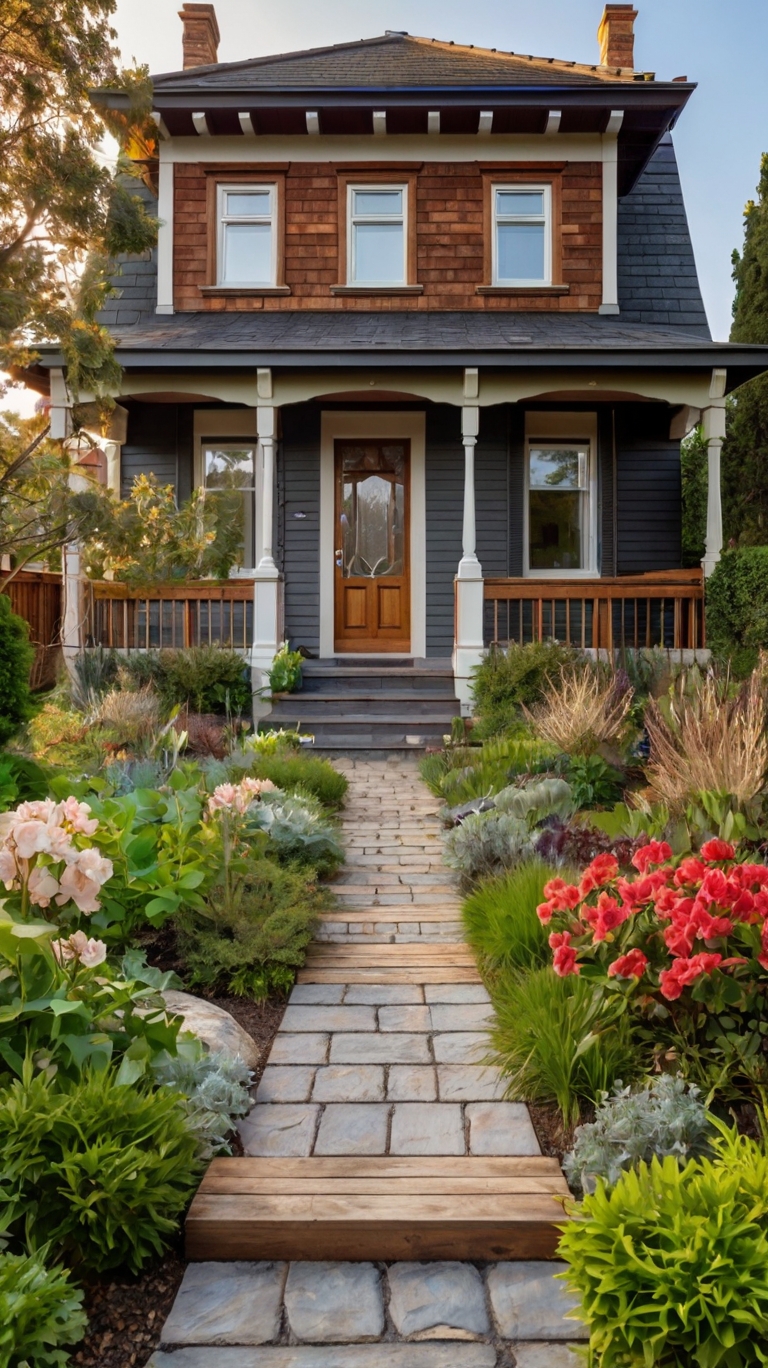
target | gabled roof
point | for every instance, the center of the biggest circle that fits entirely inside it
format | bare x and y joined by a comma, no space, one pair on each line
393,59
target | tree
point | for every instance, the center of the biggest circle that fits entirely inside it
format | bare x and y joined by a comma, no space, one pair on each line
745,450
693,469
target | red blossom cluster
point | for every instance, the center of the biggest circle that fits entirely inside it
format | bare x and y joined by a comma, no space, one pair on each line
669,925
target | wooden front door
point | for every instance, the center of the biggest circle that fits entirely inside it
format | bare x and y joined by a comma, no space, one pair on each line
372,522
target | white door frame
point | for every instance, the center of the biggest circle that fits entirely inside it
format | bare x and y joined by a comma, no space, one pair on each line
367,425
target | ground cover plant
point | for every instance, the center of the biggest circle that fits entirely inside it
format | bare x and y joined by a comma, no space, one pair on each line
41,1313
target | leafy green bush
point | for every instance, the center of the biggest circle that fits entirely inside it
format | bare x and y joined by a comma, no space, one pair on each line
671,1264
664,1117
16,659
510,678
207,679
40,1310
21,780
500,920
285,674
737,607
289,772
594,783
102,1172
485,843
214,1088
299,830
465,772
548,1044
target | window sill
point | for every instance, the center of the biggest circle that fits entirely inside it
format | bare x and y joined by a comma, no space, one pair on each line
245,289
377,289
523,290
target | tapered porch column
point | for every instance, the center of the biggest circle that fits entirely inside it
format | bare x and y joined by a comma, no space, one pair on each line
268,587
713,424
468,643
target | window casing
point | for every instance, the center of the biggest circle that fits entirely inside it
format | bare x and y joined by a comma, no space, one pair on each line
560,508
521,234
229,474
377,234
246,238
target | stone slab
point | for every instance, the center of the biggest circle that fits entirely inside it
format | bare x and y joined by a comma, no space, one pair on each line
469,1083
501,1128
412,1083
380,1048
404,1019
328,1019
279,1130
334,1356
331,1302
285,1083
455,992
449,1016
318,994
443,1300
349,1083
427,1128
384,994
353,1128
227,1303
310,1048
551,1354
460,1047
529,1303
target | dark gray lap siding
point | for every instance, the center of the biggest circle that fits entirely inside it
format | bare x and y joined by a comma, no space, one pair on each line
299,537
648,490
159,443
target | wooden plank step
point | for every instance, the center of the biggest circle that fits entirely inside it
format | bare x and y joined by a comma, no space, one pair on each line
377,1208
425,974
393,952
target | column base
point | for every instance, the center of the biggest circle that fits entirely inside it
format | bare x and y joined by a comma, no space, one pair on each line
469,647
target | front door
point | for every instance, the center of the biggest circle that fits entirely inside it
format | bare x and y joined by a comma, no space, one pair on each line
372,576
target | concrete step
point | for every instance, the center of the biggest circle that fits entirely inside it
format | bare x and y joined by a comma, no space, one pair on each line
385,703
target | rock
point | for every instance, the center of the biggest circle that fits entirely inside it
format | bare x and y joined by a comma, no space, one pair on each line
329,1303
437,1300
215,1027
528,1303
227,1303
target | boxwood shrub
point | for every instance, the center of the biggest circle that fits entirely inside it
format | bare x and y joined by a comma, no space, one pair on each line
737,607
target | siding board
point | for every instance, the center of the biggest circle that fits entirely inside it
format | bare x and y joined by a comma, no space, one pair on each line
649,490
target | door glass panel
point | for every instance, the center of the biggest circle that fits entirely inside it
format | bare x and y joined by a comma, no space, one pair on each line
372,509
229,473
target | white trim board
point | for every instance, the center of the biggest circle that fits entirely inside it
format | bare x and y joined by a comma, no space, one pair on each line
368,425
449,147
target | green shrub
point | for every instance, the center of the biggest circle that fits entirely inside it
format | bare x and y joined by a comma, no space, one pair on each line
309,773
485,843
548,1045
101,1172
500,920
16,659
285,673
594,783
510,678
94,672
214,1091
737,607
39,1311
207,679
671,1264
299,830
21,780
465,772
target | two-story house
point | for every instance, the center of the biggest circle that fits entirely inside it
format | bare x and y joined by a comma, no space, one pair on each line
433,311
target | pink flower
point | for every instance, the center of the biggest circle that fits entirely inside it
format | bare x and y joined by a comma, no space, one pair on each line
601,870
258,786
42,886
88,952
717,850
81,881
609,915
76,815
656,852
631,965
8,868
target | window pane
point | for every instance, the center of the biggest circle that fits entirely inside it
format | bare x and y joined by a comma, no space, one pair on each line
378,202
247,256
248,202
519,202
558,468
520,251
229,467
237,514
554,530
378,255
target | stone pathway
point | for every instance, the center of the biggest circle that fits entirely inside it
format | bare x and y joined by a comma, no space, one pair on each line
379,1068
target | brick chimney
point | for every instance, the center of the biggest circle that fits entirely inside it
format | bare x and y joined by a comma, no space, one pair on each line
616,36
200,39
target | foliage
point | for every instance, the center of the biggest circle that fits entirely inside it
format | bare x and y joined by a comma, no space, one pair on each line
703,739
694,478
133,715
663,1117
40,1311
485,843
214,1089
462,773
298,829
737,607
94,671
682,949
509,679
205,679
64,212
594,783
500,921
60,736
272,742
16,657
101,1172
582,710
577,842
547,1042
21,780
285,671
291,772
671,1264
148,539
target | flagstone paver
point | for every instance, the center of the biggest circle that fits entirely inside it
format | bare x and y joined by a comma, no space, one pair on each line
376,1068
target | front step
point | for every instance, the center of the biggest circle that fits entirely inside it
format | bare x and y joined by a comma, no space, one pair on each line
401,962
386,1208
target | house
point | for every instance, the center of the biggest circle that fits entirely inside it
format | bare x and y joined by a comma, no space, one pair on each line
432,312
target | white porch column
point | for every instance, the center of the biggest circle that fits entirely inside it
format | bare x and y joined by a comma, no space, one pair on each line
468,644
713,424
268,587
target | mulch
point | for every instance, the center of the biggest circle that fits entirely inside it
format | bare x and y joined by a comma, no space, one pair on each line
555,1138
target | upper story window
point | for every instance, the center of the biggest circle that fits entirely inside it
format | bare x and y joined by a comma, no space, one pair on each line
377,235
246,235
522,235
560,506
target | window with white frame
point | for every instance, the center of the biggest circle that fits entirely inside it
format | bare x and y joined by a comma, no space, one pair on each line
522,234
229,477
246,247
377,235
560,513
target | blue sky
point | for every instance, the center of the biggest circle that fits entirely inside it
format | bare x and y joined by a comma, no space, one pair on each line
722,46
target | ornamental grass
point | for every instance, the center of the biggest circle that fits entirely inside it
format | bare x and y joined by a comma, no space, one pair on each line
582,710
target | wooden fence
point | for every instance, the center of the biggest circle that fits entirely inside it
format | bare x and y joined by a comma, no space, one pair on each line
36,596
170,615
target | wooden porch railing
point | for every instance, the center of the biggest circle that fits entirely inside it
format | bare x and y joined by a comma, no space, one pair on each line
169,615
664,608
36,596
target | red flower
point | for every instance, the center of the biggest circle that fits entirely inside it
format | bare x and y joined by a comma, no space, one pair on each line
604,867
561,895
714,886
689,870
609,916
656,852
684,971
631,965
717,850
544,912
564,958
